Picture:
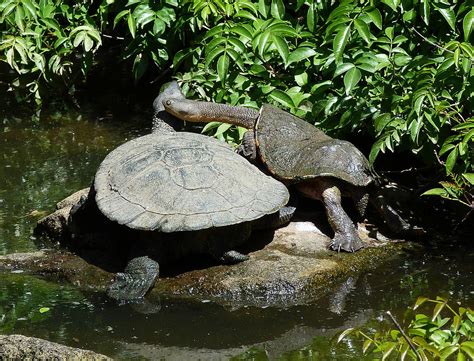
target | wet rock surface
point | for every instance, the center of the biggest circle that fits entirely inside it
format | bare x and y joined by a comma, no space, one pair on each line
18,347
294,268
288,266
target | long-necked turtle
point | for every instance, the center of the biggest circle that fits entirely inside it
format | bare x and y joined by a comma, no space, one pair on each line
182,193
297,152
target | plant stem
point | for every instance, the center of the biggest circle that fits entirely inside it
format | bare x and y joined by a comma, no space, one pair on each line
418,357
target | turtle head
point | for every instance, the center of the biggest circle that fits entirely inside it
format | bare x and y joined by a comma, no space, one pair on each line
183,109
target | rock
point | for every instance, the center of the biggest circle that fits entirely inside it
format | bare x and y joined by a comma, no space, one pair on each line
60,265
287,266
18,347
294,268
54,226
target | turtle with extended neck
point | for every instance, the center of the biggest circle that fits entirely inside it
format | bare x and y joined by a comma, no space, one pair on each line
296,152
176,194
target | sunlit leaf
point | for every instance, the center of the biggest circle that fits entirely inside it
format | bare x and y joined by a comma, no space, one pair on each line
351,79
340,42
449,16
467,24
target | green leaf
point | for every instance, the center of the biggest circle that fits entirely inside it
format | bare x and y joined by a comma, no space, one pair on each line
212,55
376,17
301,79
262,42
467,24
278,9
342,68
425,11
451,160
362,29
281,46
88,43
340,42
51,23
468,347
282,98
345,333
263,8
415,127
469,177
437,310
310,17
28,5
300,54
351,79
79,39
44,309
216,30
132,26
242,31
376,148
449,16
391,3
223,67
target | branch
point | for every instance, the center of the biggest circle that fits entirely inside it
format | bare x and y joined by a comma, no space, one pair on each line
430,42
404,335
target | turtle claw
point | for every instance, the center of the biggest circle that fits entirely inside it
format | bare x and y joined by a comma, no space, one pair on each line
348,243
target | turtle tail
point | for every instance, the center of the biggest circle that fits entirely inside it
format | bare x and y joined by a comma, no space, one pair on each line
206,112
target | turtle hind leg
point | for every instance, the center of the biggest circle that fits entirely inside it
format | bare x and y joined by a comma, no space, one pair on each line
346,237
139,276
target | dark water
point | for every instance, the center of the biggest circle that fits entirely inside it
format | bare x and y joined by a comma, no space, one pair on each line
41,164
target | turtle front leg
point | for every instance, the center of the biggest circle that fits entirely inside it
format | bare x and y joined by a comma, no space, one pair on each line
248,148
395,222
345,232
139,276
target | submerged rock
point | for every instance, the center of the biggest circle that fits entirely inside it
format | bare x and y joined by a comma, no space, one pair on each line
18,347
288,266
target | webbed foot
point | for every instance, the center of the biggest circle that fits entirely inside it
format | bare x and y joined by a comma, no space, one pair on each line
346,242
138,277
233,257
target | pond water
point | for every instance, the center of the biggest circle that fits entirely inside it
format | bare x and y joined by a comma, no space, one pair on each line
42,163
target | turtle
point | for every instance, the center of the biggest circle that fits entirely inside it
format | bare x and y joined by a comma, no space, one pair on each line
299,154
180,193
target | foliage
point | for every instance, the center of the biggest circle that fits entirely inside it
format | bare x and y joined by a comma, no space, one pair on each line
398,70
437,336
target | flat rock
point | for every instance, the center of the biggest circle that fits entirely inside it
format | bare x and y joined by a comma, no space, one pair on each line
18,347
294,268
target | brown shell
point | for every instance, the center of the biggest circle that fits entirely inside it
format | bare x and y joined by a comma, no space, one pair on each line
183,182
293,149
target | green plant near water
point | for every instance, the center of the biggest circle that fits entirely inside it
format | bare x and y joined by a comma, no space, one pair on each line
445,334
399,71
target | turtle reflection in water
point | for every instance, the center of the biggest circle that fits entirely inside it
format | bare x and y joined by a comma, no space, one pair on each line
181,193
298,153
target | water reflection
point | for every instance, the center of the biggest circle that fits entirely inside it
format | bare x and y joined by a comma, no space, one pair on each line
41,164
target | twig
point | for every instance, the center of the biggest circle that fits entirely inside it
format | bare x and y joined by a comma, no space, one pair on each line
113,37
407,170
418,357
429,41
438,159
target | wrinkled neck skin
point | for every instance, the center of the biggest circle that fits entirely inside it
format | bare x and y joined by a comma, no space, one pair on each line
206,112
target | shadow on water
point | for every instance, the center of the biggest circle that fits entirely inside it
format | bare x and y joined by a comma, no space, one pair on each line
42,163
